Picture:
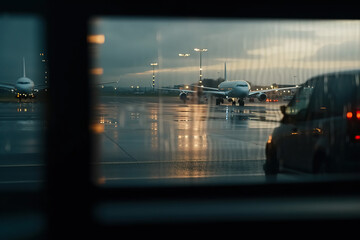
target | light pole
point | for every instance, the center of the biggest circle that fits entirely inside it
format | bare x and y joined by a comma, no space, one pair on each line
184,55
153,75
200,51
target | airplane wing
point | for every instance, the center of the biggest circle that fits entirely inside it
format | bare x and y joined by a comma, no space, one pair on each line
7,86
216,93
213,91
211,88
41,87
178,90
104,83
254,93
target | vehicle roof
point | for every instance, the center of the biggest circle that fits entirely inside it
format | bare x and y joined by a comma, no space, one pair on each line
345,72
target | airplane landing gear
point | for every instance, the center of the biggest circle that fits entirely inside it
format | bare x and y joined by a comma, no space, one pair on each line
219,100
232,101
241,102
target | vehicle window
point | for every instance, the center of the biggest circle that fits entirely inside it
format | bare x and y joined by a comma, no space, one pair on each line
301,100
333,95
343,91
156,121
319,106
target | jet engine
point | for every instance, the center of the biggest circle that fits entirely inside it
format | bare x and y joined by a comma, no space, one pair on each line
262,97
183,96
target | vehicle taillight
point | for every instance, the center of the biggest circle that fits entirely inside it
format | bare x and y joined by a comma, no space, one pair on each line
350,115
353,125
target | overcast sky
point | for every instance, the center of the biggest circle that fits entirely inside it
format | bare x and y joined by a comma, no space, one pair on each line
259,51
21,36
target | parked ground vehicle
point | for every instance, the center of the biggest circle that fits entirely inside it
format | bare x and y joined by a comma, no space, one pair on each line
320,130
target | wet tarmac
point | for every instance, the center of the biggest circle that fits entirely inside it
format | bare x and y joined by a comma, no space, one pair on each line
22,144
148,139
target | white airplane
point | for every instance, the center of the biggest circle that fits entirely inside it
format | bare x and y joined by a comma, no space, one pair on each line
24,87
231,90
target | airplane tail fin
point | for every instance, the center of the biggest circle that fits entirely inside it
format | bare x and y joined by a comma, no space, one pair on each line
24,67
225,72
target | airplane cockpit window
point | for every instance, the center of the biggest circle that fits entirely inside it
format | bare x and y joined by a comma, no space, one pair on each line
162,112
242,85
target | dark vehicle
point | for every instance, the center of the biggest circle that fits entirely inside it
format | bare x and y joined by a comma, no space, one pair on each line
320,129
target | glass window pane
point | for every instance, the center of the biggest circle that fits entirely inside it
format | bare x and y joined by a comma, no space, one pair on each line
198,100
23,86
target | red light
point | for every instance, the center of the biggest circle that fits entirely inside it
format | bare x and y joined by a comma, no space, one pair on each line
349,115
358,114
357,137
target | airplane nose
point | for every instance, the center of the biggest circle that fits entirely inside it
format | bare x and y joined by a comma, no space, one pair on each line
243,92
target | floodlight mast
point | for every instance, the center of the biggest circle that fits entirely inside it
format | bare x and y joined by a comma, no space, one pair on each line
200,51
153,74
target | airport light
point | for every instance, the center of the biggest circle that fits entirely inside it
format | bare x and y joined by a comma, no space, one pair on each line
200,51
184,54
153,75
96,39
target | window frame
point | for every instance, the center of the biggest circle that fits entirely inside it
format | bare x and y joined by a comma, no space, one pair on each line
70,196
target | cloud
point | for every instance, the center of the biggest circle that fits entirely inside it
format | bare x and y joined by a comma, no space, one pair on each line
21,37
132,44
345,51
275,47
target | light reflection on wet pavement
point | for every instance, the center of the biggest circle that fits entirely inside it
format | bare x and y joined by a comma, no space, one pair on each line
146,138
22,145
161,138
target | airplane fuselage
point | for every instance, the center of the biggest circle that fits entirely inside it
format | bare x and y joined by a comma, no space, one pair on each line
235,89
24,87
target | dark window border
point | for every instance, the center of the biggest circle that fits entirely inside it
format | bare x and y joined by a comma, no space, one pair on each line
70,196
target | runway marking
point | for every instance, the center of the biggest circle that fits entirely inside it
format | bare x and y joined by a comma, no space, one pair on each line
121,148
178,161
21,181
22,165
185,176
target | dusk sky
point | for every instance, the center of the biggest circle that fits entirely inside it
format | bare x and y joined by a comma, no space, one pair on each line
259,51
21,36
